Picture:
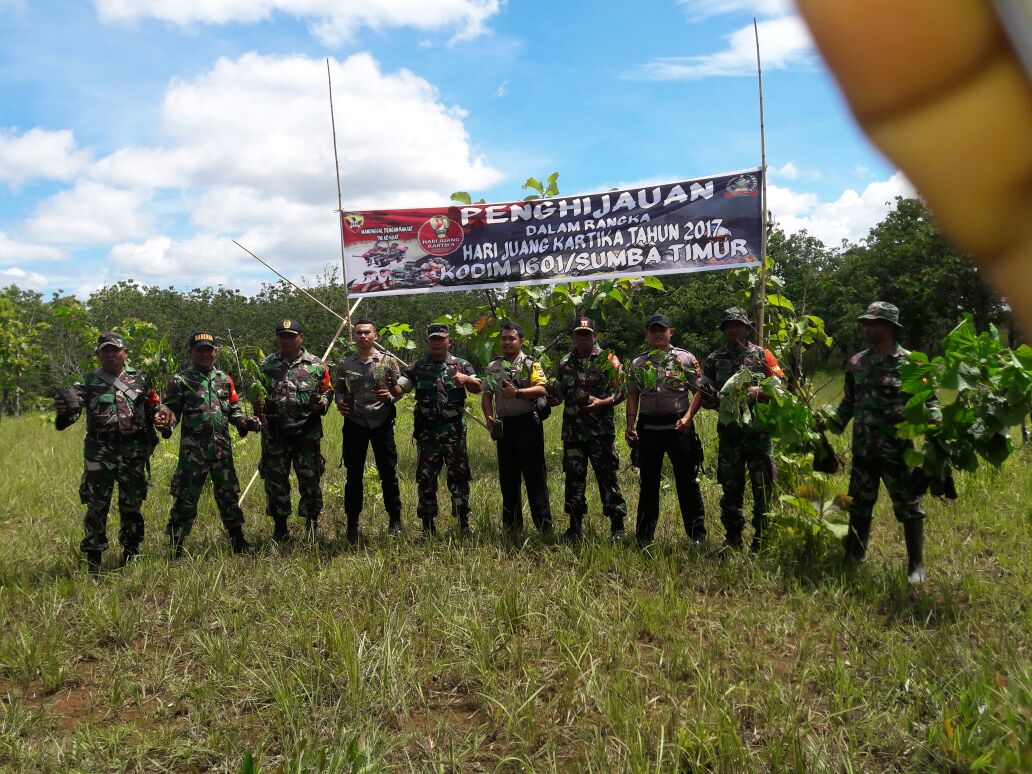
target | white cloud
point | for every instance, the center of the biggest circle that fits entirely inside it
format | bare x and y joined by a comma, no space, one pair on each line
12,251
202,260
851,216
788,171
333,22
784,41
262,122
23,279
91,213
39,154
245,151
698,10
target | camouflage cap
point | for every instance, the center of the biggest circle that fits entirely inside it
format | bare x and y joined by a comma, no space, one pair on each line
882,310
110,339
734,314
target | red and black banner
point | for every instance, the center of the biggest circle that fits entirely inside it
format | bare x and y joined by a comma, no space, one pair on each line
696,225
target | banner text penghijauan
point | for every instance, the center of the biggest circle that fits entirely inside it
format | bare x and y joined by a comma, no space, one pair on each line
695,225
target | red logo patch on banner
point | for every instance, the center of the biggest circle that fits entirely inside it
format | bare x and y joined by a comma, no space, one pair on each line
440,235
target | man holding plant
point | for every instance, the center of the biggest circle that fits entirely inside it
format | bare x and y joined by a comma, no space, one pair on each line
590,383
120,407
361,388
742,446
874,401
514,385
204,401
299,393
441,381
660,385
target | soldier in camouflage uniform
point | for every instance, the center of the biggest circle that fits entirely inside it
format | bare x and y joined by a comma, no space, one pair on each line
655,423
440,380
740,447
588,383
299,393
120,407
204,400
874,401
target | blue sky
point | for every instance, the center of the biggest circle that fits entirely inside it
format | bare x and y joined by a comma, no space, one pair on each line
138,137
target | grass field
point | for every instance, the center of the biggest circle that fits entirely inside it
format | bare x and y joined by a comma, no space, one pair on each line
485,655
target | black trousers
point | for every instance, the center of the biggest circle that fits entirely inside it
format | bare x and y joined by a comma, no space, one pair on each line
521,455
357,439
685,452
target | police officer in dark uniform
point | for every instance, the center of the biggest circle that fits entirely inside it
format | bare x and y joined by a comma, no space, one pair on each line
660,385
362,392
511,410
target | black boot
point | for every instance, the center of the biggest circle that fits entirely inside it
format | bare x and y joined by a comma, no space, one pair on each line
465,530
573,532
394,524
354,533
93,562
129,553
913,535
856,539
280,533
732,540
429,528
312,529
238,541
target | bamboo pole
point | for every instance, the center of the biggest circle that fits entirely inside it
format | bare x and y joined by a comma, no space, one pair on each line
340,198
761,311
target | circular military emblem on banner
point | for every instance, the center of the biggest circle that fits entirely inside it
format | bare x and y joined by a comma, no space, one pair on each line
440,235
743,185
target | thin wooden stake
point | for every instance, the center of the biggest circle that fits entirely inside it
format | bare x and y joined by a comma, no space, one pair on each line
761,312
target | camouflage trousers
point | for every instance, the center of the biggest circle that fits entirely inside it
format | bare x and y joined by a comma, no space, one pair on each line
742,449
305,456
871,466
601,454
437,446
106,464
187,483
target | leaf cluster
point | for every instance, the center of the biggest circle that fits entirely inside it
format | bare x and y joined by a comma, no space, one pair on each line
992,387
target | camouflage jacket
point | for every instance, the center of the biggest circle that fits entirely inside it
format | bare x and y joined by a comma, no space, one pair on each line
205,405
721,364
674,371
299,394
579,378
873,399
114,416
439,398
